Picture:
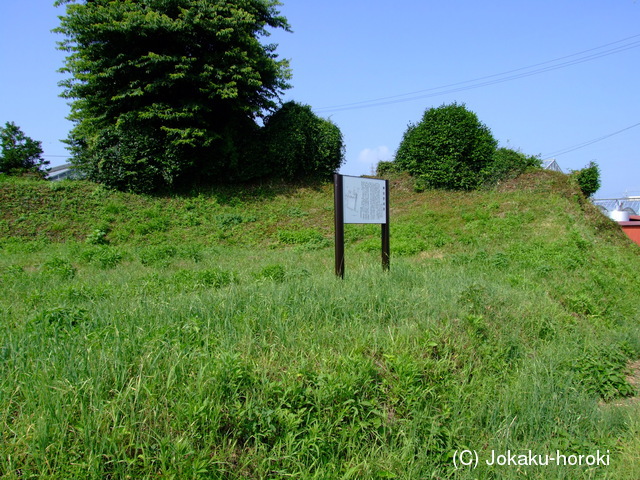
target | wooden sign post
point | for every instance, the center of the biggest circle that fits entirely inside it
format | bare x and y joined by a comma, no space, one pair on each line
360,200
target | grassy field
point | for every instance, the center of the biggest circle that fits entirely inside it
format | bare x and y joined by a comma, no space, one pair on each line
205,335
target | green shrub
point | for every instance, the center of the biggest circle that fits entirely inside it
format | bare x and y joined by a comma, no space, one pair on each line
449,148
507,163
385,167
61,317
588,179
228,220
131,155
157,254
103,256
299,144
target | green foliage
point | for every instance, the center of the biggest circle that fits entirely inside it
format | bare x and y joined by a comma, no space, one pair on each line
157,254
246,357
603,370
385,167
132,155
103,256
297,144
305,238
60,317
19,153
507,163
207,278
229,220
59,267
97,236
275,272
588,179
449,148
164,93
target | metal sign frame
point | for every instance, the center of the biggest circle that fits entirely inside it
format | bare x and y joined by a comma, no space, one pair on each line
364,200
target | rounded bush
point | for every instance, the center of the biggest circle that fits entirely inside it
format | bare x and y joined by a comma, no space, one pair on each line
450,148
508,163
299,144
588,179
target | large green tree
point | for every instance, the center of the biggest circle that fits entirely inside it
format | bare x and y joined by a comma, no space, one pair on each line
19,153
449,148
163,91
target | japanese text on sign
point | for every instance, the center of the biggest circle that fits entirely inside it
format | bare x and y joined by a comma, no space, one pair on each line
364,200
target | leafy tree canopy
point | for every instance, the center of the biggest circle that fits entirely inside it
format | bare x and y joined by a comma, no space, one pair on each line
449,148
19,153
167,88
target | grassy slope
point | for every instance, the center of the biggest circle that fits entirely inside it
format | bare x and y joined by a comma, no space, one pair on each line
205,336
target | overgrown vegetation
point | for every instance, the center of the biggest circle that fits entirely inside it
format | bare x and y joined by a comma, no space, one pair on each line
167,95
451,149
205,335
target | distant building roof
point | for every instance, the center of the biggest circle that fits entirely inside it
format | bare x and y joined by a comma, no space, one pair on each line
61,172
551,165
608,205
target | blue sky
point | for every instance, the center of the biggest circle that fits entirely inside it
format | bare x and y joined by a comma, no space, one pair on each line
546,76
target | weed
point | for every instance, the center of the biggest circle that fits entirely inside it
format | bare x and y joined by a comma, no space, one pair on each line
296,212
101,192
157,254
306,238
97,237
60,186
275,272
13,270
61,317
191,252
474,297
602,370
229,220
153,225
103,256
208,278
113,208
59,267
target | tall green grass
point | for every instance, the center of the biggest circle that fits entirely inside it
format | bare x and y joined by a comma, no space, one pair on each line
240,355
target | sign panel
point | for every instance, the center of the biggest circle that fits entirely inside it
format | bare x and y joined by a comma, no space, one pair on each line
364,200
360,200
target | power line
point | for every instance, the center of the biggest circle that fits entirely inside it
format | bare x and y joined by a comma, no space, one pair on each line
538,68
557,153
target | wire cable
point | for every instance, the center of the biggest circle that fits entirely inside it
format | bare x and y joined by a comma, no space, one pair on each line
509,75
557,153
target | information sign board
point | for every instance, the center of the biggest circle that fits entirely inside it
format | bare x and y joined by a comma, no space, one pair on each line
364,200
360,200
